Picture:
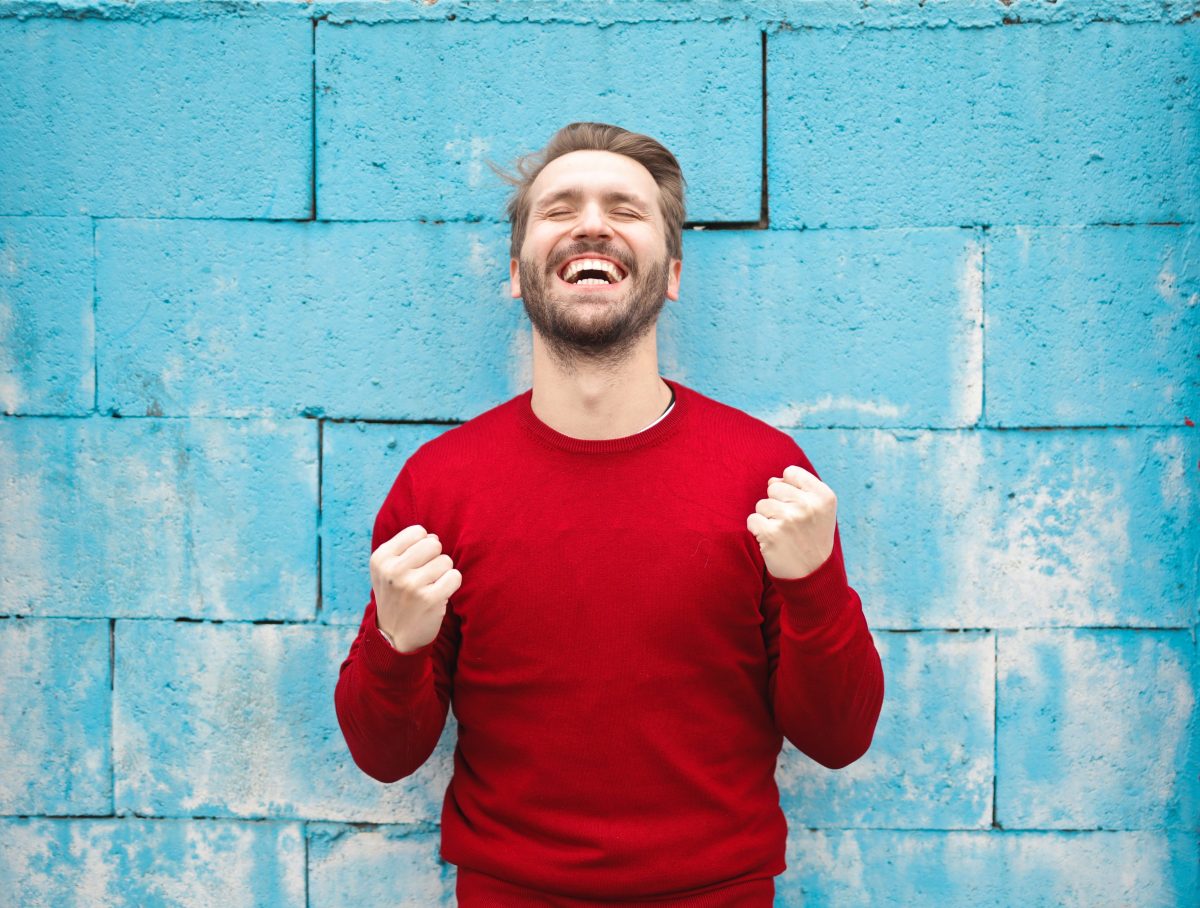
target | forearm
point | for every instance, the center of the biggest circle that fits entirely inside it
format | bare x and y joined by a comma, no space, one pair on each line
829,678
388,706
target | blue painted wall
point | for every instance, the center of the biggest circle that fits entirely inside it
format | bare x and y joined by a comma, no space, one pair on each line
251,256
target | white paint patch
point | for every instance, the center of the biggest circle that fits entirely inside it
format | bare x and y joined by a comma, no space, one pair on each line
794,414
233,864
10,389
13,258
482,260
25,661
1023,235
251,753
220,533
668,351
87,355
10,393
1166,282
966,346
96,883
172,372
222,284
838,859
1173,486
146,557
520,351
1111,694
908,778
474,150
1048,555
24,524
1095,868
370,858
26,855
1166,322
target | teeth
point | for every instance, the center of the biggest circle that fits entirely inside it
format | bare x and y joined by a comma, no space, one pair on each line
592,265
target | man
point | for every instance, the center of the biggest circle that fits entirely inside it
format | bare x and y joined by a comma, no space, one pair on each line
629,591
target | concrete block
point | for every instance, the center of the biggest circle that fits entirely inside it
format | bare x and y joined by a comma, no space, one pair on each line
930,763
55,755
47,332
170,518
238,720
1016,529
387,321
1093,325
359,463
849,328
133,863
386,865
979,869
1097,729
164,117
386,149
1061,123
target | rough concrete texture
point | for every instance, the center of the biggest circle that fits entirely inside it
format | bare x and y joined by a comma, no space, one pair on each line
252,256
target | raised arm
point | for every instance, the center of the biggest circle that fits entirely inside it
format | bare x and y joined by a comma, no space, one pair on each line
825,676
826,680
391,704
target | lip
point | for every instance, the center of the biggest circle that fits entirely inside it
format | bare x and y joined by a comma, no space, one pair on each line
603,258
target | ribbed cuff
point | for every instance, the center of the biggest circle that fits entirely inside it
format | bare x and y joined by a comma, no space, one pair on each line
400,668
816,598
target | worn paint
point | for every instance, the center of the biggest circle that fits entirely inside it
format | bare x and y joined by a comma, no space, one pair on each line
947,259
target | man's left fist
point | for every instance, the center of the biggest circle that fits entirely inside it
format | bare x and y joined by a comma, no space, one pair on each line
794,524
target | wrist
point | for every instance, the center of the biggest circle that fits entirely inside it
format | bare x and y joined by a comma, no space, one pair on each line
386,636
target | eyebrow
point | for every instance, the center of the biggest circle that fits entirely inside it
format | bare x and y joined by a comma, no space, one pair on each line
575,195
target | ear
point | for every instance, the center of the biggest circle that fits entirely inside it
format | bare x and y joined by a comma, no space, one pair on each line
673,273
514,278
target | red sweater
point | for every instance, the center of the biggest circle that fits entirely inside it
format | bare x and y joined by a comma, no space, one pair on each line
622,666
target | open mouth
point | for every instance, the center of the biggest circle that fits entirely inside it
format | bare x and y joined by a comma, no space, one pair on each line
591,273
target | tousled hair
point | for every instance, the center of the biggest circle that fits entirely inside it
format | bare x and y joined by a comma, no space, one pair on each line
583,136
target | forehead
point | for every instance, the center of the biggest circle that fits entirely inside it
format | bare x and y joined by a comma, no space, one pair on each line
598,171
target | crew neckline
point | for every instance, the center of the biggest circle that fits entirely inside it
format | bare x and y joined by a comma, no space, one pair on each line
664,426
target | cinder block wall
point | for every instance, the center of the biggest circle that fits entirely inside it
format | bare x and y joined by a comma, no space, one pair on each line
251,257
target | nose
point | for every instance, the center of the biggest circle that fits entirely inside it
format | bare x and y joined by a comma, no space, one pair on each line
591,222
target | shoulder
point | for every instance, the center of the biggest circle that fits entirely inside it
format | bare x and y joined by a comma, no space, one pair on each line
751,438
467,445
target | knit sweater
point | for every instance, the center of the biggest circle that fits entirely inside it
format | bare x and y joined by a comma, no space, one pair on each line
622,666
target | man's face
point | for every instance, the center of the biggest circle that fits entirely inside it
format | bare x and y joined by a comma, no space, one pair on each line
594,205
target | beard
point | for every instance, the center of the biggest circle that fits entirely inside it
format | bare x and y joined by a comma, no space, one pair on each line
579,327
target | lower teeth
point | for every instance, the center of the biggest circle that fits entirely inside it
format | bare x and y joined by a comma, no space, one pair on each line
592,280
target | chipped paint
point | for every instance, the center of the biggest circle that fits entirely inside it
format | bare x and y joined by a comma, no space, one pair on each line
246,343
796,414
966,350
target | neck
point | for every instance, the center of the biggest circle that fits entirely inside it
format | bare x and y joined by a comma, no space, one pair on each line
602,400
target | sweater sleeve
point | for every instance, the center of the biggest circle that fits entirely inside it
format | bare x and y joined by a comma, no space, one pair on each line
392,706
826,679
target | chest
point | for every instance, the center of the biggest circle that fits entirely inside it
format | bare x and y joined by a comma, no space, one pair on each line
572,581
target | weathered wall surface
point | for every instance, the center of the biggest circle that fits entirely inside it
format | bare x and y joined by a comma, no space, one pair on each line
251,256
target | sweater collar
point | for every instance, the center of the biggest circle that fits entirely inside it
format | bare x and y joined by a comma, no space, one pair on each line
660,430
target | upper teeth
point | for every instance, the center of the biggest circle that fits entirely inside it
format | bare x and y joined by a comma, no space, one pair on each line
578,265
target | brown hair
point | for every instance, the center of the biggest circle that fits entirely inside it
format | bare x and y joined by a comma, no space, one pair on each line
648,152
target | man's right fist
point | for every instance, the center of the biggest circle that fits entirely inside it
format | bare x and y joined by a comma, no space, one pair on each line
412,579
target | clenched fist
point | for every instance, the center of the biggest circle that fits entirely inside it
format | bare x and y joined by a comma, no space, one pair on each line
794,524
412,579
